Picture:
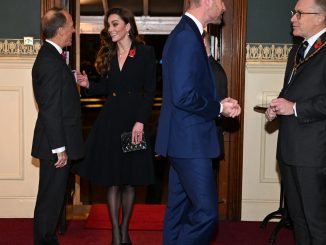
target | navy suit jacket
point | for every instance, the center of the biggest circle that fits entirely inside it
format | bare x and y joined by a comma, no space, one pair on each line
190,103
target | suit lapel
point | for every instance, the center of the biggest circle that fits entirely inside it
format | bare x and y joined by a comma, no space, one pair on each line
195,29
314,50
50,48
317,45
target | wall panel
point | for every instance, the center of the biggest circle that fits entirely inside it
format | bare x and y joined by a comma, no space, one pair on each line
11,108
260,192
18,170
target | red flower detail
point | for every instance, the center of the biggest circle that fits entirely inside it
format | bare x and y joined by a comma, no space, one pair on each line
318,43
132,53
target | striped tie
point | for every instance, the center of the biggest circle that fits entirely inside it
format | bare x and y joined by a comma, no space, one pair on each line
302,50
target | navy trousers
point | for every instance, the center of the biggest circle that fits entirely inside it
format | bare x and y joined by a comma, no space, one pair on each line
192,209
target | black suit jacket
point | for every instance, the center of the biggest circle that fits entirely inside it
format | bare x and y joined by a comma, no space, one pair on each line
222,91
220,78
302,139
59,117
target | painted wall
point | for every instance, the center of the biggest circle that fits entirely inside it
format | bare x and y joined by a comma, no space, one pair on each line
268,21
19,18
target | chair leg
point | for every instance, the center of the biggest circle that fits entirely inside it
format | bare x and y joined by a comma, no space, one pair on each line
281,214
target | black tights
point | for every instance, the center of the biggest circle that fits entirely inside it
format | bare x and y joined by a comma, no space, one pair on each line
120,197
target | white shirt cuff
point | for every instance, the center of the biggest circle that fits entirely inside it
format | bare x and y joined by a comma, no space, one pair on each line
295,109
59,150
221,108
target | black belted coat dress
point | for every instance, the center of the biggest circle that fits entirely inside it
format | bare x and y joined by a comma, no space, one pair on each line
130,93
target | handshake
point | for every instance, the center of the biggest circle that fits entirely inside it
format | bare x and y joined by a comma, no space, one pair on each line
231,108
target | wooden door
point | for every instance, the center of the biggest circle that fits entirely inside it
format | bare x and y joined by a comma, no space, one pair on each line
232,56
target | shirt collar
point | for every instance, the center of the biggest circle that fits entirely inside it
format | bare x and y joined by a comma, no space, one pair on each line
197,22
55,45
314,38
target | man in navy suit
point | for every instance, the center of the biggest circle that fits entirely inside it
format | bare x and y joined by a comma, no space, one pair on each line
301,110
58,132
187,132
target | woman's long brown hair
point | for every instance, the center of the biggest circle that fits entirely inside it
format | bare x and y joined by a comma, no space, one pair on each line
108,49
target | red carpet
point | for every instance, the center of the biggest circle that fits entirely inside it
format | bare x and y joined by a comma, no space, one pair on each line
20,232
145,217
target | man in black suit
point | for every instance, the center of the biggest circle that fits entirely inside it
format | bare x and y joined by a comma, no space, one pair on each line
218,71
222,91
221,82
301,109
58,132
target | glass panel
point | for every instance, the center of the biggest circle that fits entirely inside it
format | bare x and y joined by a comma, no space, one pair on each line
156,7
135,6
166,8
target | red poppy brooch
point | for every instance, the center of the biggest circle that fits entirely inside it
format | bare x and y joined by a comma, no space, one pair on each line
132,53
318,43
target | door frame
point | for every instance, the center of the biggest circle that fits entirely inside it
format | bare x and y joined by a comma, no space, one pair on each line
233,57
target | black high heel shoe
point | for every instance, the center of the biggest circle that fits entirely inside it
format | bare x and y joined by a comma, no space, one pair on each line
125,243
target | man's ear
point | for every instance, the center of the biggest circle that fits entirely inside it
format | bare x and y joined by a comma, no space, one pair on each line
321,19
60,31
206,3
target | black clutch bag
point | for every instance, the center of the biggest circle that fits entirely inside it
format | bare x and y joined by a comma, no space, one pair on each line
127,146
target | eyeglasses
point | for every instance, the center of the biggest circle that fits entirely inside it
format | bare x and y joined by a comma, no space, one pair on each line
298,13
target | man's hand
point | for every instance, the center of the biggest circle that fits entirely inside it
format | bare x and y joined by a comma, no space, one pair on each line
62,160
282,106
231,108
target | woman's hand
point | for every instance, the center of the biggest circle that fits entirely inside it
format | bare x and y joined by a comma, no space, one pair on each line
82,79
137,133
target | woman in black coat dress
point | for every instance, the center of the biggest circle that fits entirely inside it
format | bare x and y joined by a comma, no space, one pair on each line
127,69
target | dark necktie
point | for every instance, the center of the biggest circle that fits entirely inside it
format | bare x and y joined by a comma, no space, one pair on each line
63,55
302,50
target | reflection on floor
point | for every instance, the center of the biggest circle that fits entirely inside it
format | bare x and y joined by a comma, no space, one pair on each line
78,212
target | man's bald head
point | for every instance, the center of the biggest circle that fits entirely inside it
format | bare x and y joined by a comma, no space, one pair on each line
52,21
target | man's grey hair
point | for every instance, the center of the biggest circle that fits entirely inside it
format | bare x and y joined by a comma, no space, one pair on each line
52,21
